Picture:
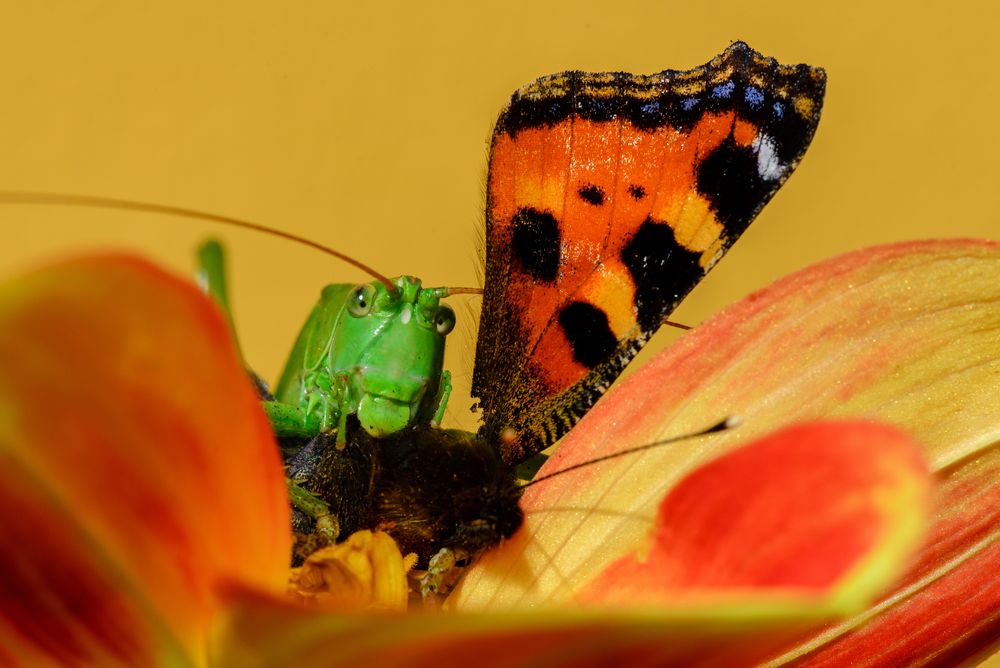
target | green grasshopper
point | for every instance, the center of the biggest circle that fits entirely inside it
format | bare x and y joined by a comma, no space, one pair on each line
374,350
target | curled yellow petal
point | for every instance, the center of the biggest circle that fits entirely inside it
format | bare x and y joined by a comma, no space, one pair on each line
366,571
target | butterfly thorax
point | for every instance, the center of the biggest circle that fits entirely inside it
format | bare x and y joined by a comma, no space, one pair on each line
440,488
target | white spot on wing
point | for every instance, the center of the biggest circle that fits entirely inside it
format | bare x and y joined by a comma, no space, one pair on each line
768,165
404,317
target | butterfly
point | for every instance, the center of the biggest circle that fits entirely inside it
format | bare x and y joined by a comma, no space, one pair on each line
609,197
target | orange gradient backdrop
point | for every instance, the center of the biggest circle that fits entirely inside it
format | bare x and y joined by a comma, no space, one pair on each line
366,128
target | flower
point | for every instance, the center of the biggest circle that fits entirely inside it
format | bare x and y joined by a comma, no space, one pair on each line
145,522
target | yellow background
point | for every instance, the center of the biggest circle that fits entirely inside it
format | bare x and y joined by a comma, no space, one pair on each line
364,125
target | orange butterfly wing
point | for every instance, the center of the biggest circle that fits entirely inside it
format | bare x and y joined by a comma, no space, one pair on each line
609,197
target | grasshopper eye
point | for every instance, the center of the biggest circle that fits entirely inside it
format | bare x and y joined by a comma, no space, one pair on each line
361,300
444,321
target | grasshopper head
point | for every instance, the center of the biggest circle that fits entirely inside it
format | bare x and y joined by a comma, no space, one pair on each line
390,344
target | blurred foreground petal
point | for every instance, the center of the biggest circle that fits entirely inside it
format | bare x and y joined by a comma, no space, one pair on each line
137,470
259,633
730,604
908,333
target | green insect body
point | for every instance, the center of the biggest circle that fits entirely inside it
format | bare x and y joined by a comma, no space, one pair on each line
365,350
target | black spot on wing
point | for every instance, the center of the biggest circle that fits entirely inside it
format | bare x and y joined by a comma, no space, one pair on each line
588,332
591,194
663,271
729,179
535,243
637,192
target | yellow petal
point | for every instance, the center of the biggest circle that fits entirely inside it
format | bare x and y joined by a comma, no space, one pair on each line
366,571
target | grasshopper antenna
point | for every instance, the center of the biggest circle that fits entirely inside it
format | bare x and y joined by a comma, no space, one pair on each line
56,199
463,291
728,423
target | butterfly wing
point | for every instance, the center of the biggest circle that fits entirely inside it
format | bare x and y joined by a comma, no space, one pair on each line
609,197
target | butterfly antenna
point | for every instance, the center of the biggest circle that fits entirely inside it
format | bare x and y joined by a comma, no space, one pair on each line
728,423
56,199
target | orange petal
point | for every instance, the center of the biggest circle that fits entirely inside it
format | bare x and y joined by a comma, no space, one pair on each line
137,471
906,333
821,510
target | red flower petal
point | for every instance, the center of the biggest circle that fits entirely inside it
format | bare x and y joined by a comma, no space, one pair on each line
947,608
138,470
796,514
